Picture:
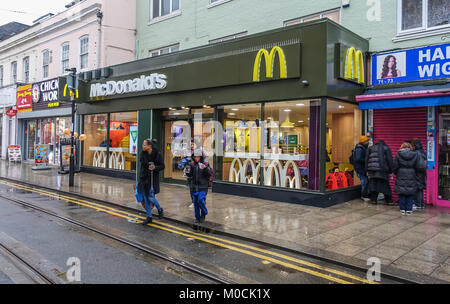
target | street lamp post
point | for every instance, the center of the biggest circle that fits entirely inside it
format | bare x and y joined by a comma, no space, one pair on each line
72,86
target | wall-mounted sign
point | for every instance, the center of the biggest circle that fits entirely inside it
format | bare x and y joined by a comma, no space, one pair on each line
24,101
45,94
144,83
133,139
270,64
350,63
425,63
11,112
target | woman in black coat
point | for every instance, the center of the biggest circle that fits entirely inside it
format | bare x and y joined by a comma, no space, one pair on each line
406,166
151,161
421,174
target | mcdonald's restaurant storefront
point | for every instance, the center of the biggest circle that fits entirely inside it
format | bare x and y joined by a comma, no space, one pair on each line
274,111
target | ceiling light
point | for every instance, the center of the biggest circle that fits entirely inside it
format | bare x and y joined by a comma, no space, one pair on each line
287,110
234,109
232,114
300,104
341,107
300,121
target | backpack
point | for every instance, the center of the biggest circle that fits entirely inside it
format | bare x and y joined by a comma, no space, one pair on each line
352,158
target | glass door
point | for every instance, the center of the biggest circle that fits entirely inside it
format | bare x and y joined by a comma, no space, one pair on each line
30,139
444,156
48,136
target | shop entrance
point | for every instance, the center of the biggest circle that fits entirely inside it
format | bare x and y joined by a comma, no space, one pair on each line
175,126
444,155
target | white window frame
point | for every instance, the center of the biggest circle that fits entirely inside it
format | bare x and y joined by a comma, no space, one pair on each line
217,3
14,72
45,65
424,29
1,75
165,17
63,71
26,69
83,54
320,15
159,50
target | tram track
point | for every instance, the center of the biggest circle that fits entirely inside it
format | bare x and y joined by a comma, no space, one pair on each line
34,273
195,269
128,213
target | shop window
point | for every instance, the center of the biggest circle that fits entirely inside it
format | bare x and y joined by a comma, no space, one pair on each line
286,144
343,129
444,153
123,134
241,159
95,145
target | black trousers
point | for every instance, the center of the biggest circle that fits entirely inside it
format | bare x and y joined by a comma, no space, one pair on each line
378,185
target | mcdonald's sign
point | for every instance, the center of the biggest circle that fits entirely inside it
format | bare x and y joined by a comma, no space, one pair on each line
354,65
269,59
68,93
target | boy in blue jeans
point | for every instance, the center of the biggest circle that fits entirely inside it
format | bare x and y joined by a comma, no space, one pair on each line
199,173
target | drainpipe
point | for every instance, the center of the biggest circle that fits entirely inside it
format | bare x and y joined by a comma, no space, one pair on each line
99,36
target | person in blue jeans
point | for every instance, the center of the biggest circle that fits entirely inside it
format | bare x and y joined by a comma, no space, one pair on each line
407,164
199,173
151,164
359,163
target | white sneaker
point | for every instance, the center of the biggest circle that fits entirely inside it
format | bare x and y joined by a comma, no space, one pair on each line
366,199
403,212
409,212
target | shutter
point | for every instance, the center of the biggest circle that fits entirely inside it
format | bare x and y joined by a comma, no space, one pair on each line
395,126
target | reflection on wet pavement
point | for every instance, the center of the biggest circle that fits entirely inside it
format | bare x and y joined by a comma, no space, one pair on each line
418,243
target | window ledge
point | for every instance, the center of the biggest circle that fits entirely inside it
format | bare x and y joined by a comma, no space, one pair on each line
165,17
420,34
217,3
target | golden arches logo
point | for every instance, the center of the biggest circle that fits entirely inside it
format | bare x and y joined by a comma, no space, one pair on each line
354,65
269,58
77,95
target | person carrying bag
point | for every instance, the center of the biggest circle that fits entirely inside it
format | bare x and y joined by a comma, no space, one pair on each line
151,164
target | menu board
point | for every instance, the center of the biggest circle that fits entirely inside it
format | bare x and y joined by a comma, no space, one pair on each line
41,153
14,153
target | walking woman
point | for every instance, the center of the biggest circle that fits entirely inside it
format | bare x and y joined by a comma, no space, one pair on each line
151,164
406,165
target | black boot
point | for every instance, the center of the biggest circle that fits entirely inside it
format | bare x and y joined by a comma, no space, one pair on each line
161,213
147,221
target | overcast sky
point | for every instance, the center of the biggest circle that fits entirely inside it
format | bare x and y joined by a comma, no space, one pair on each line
25,11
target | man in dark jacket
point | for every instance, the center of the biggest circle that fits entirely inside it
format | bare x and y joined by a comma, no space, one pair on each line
151,164
199,173
379,165
421,174
359,163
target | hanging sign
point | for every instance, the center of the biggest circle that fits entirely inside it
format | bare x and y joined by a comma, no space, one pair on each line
11,113
431,138
14,153
24,101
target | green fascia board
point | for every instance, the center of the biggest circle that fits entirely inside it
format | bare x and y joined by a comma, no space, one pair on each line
311,59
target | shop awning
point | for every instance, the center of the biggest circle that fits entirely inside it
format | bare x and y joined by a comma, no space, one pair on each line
406,97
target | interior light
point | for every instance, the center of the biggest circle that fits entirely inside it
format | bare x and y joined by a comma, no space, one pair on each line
300,104
234,109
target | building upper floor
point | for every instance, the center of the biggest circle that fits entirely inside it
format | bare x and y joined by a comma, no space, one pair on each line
89,34
165,26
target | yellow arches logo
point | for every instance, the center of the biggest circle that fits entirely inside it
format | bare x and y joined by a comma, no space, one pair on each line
354,65
269,58
66,88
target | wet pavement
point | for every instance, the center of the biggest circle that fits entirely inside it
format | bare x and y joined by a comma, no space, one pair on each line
416,246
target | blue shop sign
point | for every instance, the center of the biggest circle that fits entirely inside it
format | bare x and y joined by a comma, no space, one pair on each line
425,63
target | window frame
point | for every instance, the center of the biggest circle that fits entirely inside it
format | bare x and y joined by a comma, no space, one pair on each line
81,39
163,48
26,69
14,72
63,71
44,66
1,75
173,13
299,20
423,28
214,3
229,37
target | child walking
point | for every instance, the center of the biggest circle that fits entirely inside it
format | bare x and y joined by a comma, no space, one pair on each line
199,173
